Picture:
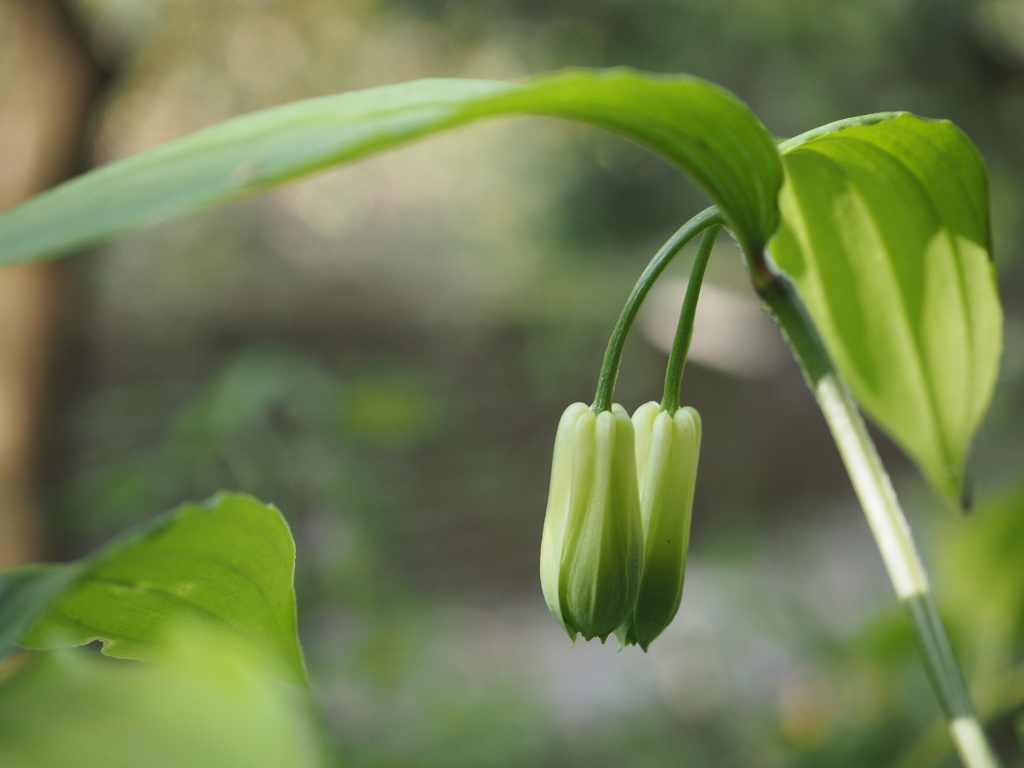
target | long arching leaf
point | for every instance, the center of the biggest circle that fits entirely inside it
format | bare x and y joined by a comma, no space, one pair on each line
703,129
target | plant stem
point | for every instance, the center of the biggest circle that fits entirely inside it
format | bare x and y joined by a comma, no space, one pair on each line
684,330
613,353
882,509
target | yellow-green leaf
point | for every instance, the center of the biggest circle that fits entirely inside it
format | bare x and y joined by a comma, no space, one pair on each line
885,230
210,702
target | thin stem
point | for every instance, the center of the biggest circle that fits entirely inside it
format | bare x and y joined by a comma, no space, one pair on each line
684,330
613,354
882,509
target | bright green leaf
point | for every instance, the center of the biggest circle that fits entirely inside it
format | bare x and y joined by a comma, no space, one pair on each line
229,561
885,231
703,129
209,703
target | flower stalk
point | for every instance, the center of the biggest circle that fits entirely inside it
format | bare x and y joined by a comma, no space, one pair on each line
613,354
684,330
881,507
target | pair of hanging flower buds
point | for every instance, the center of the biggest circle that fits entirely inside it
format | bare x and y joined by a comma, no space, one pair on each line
617,527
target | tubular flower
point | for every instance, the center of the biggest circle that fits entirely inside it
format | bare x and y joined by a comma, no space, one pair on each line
591,547
667,448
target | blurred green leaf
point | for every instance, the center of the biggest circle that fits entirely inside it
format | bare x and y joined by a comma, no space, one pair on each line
885,230
24,593
1020,731
210,703
702,128
981,582
229,562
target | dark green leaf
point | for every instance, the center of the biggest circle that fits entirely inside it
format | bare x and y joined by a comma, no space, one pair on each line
703,129
885,231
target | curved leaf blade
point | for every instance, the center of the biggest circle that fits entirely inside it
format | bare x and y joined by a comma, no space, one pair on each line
229,562
885,232
700,127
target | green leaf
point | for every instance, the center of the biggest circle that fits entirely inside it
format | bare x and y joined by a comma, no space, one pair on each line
209,703
229,561
703,129
1020,731
885,230
24,594
981,583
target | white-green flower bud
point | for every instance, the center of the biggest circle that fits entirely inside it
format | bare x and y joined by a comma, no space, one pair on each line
591,547
667,448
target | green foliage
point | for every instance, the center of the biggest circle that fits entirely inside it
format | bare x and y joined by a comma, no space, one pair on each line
885,231
702,128
983,587
24,591
209,703
229,561
1020,731
885,226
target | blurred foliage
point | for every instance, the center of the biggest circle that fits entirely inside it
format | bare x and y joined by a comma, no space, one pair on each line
229,561
204,705
383,353
982,584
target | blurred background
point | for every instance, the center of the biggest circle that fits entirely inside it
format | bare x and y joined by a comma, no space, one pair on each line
383,352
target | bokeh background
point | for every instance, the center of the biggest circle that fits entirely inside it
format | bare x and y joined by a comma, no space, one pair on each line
383,352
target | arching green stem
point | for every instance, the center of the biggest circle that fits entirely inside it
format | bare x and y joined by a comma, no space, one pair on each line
881,507
613,354
684,331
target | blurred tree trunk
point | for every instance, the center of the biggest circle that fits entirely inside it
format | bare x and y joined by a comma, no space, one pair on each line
51,86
